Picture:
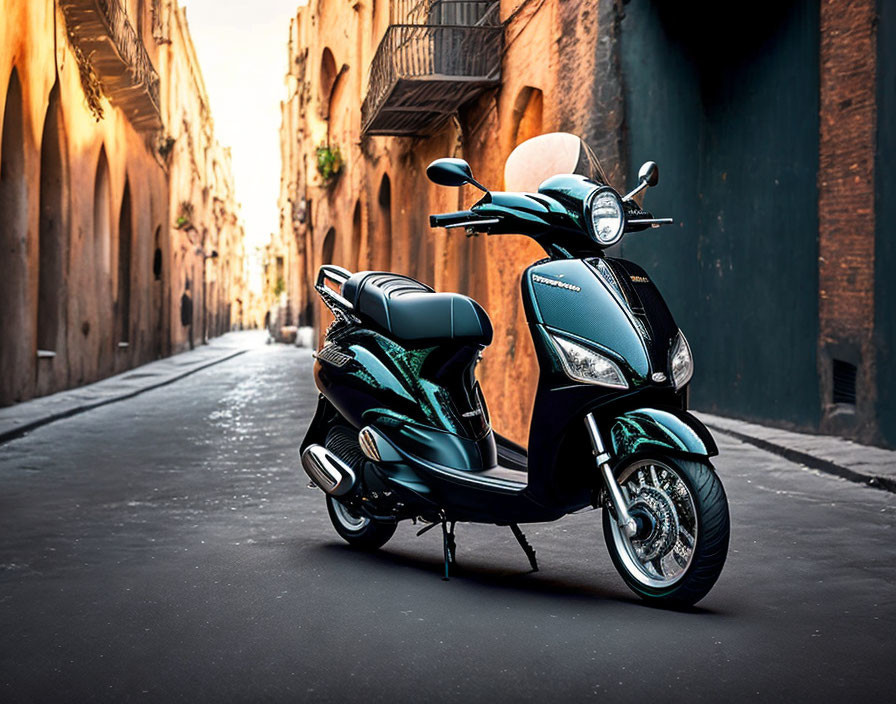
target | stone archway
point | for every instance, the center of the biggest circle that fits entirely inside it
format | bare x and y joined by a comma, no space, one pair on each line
125,243
15,347
358,261
528,114
102,227
328,248
326,82
53,232
383,254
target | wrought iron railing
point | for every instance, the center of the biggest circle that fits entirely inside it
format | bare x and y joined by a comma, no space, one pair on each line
451,12
117,55
435,52
130,46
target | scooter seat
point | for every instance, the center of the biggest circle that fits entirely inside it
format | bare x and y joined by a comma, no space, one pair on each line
410,310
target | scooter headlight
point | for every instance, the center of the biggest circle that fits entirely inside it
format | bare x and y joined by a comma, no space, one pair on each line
584,364
607,218
680,361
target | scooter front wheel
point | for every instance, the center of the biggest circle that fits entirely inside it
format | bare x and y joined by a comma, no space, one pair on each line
681,544
358,531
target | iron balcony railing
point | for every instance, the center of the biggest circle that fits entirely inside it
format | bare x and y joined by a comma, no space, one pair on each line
117,55
421,74
446,12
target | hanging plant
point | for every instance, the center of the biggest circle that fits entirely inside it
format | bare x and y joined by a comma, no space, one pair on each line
329,163
184,216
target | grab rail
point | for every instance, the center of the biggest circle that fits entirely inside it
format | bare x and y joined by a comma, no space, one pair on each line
337,275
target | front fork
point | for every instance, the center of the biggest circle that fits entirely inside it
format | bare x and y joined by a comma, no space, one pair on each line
602,457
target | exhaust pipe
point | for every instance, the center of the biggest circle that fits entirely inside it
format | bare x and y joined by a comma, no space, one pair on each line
326,470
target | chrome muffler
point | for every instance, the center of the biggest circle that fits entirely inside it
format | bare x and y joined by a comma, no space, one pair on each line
326,470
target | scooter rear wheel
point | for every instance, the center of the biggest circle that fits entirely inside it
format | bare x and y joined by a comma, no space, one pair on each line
358,531
683,528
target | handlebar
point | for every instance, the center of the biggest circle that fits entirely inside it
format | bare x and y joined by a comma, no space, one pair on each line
451,219
467,219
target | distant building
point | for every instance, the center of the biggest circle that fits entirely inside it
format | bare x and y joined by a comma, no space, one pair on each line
773,126
116,201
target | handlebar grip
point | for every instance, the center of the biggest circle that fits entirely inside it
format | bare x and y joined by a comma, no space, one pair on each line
448,219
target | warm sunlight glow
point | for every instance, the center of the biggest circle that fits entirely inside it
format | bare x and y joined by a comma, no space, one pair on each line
242,50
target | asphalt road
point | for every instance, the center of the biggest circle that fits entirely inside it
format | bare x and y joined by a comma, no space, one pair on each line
166,548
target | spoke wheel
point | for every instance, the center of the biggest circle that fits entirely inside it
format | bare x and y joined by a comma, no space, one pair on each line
681,543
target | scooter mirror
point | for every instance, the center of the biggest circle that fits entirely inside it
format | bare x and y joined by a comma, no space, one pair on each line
449,172
649,173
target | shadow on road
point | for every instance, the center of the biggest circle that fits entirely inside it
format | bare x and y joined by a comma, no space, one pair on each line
376,564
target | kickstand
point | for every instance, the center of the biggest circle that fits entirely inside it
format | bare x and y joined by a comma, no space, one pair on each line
524,544
449,546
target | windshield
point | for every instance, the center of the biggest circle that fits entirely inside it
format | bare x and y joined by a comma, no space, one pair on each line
539,158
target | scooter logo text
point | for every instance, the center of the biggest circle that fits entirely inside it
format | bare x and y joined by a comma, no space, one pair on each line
557,284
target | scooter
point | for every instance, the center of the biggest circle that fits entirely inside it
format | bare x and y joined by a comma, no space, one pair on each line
402,431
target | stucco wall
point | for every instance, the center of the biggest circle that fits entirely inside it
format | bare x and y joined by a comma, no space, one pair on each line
96,333
484,133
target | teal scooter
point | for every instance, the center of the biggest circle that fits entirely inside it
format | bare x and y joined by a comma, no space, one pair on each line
402,430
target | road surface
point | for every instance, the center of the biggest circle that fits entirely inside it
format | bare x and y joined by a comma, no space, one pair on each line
167,548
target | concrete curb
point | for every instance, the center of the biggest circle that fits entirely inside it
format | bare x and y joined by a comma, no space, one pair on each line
12,433
871,466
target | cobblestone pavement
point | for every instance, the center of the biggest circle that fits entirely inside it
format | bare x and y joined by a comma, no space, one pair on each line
166,548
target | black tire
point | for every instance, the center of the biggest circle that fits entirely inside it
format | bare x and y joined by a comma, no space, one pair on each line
359,532
712,527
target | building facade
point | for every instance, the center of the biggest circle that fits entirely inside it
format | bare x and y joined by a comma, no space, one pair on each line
95,94
769,135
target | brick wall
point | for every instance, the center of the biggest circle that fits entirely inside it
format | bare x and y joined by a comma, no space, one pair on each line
846,209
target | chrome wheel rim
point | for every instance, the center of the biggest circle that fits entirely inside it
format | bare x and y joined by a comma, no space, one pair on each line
347,519
661,552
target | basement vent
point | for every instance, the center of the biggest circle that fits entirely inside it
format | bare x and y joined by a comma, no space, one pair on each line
844,382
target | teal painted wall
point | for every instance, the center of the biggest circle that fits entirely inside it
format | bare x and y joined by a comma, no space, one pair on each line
885,217
728,107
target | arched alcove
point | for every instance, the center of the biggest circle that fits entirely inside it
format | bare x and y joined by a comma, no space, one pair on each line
13,243
157,255
125,240
158,298
334,99
356,258
383,254
327,79
528,114
52,236
329,247
102,226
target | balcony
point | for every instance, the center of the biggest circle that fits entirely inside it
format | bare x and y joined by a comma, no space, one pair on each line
422,73
104,34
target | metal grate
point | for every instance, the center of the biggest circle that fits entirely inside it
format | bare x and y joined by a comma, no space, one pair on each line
844,382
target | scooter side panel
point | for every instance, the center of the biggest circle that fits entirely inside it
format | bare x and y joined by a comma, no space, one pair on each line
373,380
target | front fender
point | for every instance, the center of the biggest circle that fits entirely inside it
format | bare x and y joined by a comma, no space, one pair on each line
669,431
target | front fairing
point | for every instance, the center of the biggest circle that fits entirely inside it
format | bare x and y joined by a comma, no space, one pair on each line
611,306
607,304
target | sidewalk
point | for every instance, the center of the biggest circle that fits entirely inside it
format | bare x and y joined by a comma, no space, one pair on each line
873,466
22,417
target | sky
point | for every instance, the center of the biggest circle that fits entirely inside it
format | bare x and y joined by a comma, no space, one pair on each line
242,49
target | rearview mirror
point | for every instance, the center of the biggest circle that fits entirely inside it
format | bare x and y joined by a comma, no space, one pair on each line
649,173
449,171
648,176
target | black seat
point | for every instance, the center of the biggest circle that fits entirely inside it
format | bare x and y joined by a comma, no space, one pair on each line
410,310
